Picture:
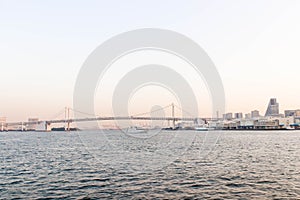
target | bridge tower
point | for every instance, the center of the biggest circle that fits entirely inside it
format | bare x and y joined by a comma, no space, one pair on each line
67,118
47,127
68,127
173,115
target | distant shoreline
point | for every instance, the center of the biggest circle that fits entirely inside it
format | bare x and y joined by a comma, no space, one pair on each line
225,130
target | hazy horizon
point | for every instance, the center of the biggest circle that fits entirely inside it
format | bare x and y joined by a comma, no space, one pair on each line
44,44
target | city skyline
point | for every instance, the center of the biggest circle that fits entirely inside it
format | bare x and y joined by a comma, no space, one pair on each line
228,115
43,49
161,118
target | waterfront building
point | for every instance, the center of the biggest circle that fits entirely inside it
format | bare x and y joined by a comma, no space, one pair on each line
231,125
238,115
294,113
247,123
227,116
255,114
247,116
216,125
286,122
266,124
297,121
273,108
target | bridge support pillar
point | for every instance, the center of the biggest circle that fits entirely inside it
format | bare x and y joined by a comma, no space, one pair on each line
47,127
68,126
173,116
67,114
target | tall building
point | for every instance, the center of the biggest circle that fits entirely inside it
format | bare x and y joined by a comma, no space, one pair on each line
254,114
238,115
227,116
273,108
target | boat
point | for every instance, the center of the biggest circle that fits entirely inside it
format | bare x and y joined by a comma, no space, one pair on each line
290,128
203,128
135,129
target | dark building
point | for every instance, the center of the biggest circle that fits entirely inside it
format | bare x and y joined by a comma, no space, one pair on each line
273,108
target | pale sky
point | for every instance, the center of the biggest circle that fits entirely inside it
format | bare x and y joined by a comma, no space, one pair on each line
254,44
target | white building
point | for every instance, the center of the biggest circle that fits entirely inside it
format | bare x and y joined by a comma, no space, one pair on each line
285,122
247,116
295,113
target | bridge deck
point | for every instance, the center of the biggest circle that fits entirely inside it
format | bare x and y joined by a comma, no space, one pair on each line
109,119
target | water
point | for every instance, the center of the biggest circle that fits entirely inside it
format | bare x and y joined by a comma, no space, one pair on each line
242,165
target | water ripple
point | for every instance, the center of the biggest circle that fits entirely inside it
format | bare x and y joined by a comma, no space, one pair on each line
243,165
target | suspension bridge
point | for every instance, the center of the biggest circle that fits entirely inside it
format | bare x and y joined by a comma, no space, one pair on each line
67,120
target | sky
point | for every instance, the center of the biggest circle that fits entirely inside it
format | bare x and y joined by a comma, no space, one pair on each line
254,44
